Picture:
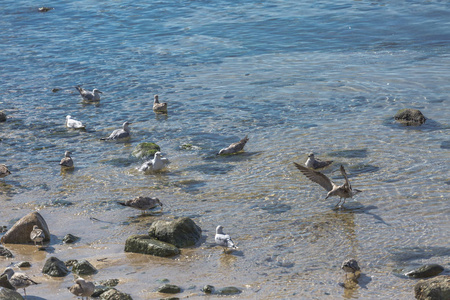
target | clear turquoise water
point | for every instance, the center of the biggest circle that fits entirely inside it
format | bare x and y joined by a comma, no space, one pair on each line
296,77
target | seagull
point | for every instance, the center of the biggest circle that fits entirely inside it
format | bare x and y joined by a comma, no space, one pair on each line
313,163
18,280
4,171
224,240
37,235
120,133
142,203
72,123
67,160
157,163
351,266
235,147
159,107
89,96
343,191
82,288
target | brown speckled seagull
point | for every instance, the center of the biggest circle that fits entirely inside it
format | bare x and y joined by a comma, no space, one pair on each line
67,160
142,203
314,163
82,288
4,171
18,280
159,107
235,147
37,235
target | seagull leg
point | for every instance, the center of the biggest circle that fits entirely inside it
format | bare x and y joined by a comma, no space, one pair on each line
340,199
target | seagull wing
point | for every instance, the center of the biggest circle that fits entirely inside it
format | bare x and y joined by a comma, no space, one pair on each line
347,183
316,177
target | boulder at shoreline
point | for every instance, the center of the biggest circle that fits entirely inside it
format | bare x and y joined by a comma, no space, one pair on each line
55,267
19,233
182,232
410,117
147,245
437,288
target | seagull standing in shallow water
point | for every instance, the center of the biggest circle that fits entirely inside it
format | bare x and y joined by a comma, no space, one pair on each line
159,107
120,133
156,164
89,96
82,288
4,171
342,191
351,266
235,147
313,163
67,160
142,203
72,123
224,240
18,280
37,235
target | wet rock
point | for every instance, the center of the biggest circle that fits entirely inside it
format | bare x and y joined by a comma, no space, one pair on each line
171,298
5,252
2,116
208,289
55,267
410,117
147,245
230,290
20,232
7,294
144,150
3,228
4,282
437,288
100,290
83,267
54,90
182,232
24,264
109,282
70,262
70,239
169,289
426,271
114,294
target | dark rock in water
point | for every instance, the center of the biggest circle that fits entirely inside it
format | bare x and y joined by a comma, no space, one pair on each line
2,116
109,282
20,232
208,289
147,245
410,117
83,267
230,290
114,294
3,228
445,145
182,232
169,289
45,9
5,252
54,90
70,239
437,288
70,262
24,264
100,290
4,282
144,150
426,271
55,267
9,294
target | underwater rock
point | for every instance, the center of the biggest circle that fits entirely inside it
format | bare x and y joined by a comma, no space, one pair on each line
426,271
181,232
2,116
410,117
144,150
230,290
147,245
437,288
19,233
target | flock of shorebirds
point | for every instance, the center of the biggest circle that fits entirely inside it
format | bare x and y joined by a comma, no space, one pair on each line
85,288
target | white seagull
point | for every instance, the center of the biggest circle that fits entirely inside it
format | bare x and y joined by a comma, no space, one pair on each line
142,203
314,163
72,123
82,288
159,107
18,280
342,191
224,240
67,160
157,163
120,133
37,235
89,96
235,147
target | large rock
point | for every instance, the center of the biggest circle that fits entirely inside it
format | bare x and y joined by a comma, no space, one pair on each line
7,294
83,267
410,117
2,116
144,150
114,294
182,232
20,232
426,271
437,288
55,267
147,245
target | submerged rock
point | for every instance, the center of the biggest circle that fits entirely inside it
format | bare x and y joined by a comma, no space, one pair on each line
169,289
147,245
20,232
144,150
437,288
83,267
182,232
230,290
8,294
114,294
2,116
410,117
55,267
426,271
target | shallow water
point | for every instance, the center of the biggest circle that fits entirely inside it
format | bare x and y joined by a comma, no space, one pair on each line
324,77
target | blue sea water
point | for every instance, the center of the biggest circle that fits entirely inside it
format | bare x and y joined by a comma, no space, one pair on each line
324,76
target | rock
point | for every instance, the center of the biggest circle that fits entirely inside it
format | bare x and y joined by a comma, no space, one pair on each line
2,116
114,294
169,289
100,290
7,294
147,245
437,288
208,289
83,267
144,150
182,232
24,264
230,290
426,271
5,252
109,282
20,232
70,262
410,117
4,282
70,239
55,267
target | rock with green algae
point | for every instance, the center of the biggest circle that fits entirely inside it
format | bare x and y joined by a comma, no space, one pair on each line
182,232
410,117
436,288
147,245
144,150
